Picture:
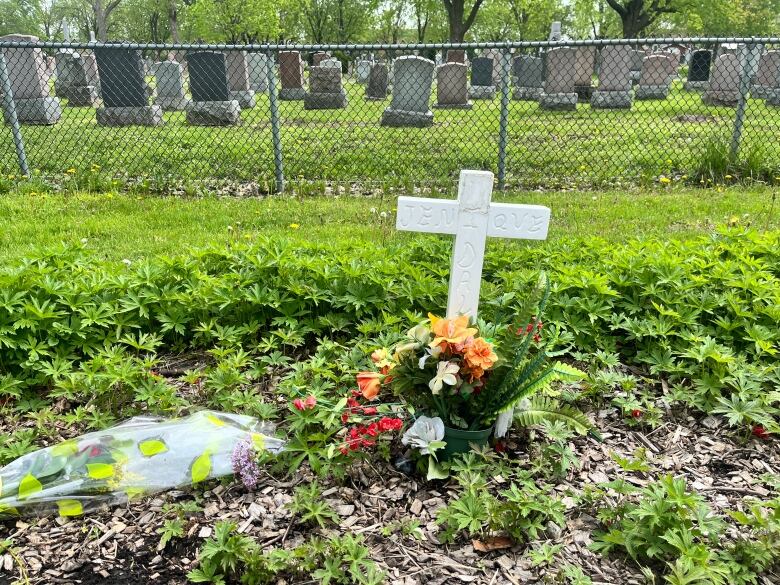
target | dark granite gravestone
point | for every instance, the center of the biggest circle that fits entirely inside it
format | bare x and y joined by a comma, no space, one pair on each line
699,70
482,87
377,82
527,77
208,77
122,82
211,105
124,90
482,71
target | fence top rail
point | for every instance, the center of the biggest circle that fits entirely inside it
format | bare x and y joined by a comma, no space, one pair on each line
273,47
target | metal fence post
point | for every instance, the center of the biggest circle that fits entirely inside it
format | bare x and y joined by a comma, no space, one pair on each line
10,114
506,57
273,99
747,61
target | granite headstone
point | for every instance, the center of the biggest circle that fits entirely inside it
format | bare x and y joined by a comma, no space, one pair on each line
452,86
28,72
614,89
124,90
412,82
211,104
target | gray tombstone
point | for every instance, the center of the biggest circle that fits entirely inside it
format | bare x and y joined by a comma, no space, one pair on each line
658,71
555,32
325,89
124,90
452,86
291,76
724,82
377,82
28,71
170,86
331,62
558,93
583,72
211,104
699,70
637,57
482,87
527,78
412,81
238,79
257,64
614,90
72,82
363,71
767,75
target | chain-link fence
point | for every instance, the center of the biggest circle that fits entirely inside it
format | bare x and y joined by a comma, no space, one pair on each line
535,113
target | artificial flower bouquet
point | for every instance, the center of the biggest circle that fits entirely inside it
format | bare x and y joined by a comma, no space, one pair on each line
462,380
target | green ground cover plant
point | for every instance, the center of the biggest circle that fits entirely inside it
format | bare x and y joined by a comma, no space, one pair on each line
700,314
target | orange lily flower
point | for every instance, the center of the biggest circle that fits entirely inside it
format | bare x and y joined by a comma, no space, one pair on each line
452,331
369,384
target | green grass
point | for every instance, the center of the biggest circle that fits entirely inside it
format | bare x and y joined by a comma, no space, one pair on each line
587,146
120,226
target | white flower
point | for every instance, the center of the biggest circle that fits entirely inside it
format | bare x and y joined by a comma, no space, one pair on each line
127,262
431,352
383,215
423,432
420,333
445,374
84,240
373,210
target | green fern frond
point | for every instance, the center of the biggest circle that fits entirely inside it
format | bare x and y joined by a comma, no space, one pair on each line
544,408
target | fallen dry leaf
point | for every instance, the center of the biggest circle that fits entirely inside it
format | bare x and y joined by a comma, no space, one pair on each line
492,543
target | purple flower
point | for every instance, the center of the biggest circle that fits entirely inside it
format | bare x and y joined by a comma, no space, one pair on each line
244,460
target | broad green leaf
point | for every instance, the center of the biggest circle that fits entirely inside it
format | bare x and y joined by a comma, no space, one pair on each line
152,447
29,486
201,467
70,508
100,471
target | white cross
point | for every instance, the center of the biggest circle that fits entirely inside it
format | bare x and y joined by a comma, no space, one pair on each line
471,219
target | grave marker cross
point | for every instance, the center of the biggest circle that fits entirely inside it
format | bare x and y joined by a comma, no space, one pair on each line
471,219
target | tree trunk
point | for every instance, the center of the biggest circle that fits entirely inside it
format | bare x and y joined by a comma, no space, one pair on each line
456,11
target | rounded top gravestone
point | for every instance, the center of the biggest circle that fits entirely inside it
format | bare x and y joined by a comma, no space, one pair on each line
452,84
657,70
726,74
412,81
768,74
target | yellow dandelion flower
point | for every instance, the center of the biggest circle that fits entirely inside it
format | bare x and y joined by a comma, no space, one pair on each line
665,180
294,226
71,171
729,177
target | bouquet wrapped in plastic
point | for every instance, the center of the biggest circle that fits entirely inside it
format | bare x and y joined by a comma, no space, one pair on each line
141,456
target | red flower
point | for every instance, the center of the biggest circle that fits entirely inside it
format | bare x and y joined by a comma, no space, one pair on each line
369,410
373,429
761,432
537,338
636,413
305,404
390,424
500,446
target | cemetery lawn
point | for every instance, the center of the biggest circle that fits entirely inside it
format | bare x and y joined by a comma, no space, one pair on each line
114,305
124,226
588,146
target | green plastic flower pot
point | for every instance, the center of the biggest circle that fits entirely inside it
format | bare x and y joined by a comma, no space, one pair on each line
460,441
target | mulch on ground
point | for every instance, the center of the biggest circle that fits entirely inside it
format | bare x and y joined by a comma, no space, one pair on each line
120,546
